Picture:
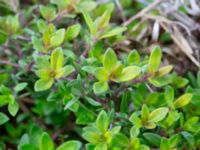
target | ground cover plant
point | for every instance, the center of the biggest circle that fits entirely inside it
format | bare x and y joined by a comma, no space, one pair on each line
99,75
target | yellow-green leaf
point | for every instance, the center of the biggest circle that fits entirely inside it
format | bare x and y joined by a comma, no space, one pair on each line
43,84
102,122
149,125
89,22
100,87
113,32
101,74
43,73
103,21
158,114
57,38
163,71
183,100
134,57
145,112
72,32
155,59
110,60
57,59
129,73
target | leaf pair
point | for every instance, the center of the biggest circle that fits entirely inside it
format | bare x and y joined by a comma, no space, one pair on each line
157,76
149,119
52,71
100,28
99,135
122,141
114,71
52,38
6,97
179,102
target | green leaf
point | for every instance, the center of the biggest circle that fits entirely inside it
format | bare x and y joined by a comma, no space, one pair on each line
178,81
160,81
58,73
136,120
169,95
101,146
4,90
149,125
113,32
163,71
115,130
44,73
92,137
41,24
48,12
158,114
125,101
20,86
101,74
143,147
13,108
110,60
37,43
102,122
135,143
145,113
152,138
164,144
114,76
4,100
121,140
72,32
155,59
100,87
189,138
134,132
43,84
92,101
103,21
129,73
70,145
89,22
134,57
88,5
57,59
174,140
28,147
68,70
3,118
46,142
70,104
57,38
183,100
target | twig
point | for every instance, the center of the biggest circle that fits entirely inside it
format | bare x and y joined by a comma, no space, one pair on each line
6,62
120,9
98,99
142,12
57,133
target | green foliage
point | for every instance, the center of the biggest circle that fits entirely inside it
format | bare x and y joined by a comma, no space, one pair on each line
45,142
54,70
72,79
